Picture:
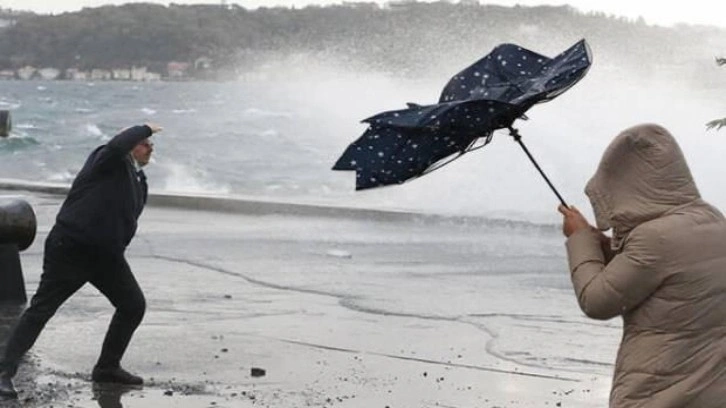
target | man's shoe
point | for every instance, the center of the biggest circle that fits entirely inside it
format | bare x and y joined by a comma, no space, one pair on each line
115,375
7,391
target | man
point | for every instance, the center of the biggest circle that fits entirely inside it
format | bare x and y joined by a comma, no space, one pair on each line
664,272
94,225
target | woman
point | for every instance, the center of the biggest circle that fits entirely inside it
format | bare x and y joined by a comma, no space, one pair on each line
664,271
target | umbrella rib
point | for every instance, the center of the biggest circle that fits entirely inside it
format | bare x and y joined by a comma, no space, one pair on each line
436,167
466,150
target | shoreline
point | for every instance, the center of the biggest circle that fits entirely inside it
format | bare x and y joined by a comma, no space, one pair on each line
257,205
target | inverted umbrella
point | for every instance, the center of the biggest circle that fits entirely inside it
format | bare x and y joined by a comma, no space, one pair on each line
488,95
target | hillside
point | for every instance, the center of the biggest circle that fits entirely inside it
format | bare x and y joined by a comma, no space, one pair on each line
402,38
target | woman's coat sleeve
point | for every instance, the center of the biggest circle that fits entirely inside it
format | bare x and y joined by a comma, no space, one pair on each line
605,290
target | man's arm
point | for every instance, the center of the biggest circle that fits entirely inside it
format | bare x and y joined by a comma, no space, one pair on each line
125,141
122,144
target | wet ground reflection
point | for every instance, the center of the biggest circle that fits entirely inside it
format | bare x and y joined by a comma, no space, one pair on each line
9,315
109,395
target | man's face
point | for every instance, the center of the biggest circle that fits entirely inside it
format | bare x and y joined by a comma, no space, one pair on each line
142,152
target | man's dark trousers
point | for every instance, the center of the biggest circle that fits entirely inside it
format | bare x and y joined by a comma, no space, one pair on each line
67,266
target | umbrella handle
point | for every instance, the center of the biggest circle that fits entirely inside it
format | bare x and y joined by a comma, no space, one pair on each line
518,138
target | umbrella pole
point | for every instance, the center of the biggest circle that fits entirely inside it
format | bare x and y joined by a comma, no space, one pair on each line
518,138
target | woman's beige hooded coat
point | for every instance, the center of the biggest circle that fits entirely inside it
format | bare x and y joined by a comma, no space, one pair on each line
666,274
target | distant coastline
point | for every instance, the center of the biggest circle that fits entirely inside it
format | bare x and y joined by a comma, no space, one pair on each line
149,42
175,71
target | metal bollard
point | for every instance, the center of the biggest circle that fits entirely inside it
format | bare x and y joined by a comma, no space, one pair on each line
18,226
6,125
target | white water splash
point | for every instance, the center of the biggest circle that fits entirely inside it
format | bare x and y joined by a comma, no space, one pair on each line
65,177
183,179
25,126
93,130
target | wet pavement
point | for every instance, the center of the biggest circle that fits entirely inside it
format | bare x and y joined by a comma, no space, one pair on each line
338,310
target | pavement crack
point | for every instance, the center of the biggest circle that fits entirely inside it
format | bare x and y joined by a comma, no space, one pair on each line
429,361
249,279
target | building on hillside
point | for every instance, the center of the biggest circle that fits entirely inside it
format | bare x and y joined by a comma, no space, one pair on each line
26,72
121,74
49,73
75,74
143,74
138,73
177,70
152,76
101,75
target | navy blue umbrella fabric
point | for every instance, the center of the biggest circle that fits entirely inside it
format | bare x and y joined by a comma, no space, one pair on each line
489,95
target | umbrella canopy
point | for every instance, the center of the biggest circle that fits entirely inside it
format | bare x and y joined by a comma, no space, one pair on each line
488,95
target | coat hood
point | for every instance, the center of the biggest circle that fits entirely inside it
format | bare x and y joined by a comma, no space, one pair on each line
642,175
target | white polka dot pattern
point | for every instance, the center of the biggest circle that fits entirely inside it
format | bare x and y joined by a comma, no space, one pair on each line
488,95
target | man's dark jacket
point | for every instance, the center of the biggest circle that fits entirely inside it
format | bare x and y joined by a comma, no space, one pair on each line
107,196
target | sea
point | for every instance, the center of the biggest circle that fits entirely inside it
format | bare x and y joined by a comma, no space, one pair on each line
277,134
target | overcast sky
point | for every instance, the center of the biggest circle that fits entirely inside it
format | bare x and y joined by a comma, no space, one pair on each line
711,12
